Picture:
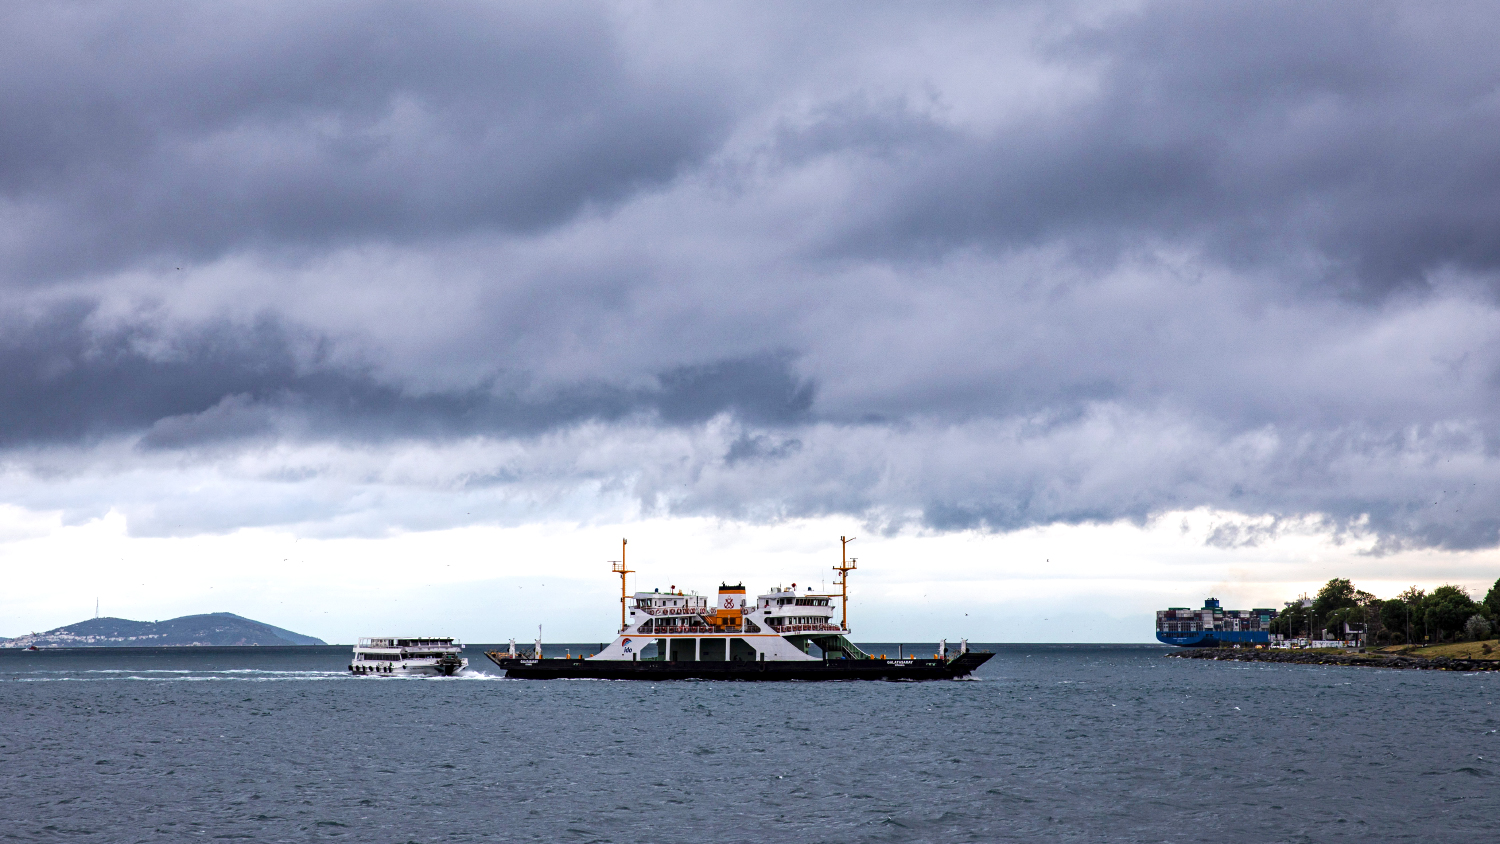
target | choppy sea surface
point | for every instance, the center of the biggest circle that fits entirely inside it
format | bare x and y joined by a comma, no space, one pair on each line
1045,743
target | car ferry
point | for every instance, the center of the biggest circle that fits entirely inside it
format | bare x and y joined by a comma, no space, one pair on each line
408,657
781,634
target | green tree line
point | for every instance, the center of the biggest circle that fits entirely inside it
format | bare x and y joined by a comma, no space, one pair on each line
1446,614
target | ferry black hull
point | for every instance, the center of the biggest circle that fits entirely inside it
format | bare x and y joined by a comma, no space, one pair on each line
833,669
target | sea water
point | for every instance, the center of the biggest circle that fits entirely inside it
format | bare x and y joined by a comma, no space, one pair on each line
1044,743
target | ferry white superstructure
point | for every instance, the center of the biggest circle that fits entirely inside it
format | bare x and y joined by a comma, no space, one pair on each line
782,625
783,634
411,657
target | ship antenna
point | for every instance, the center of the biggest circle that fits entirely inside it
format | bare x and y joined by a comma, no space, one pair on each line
845,566
618,567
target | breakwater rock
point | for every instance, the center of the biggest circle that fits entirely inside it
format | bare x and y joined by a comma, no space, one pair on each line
1364,660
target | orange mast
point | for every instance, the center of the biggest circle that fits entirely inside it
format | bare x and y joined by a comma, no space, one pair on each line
843,568
618,567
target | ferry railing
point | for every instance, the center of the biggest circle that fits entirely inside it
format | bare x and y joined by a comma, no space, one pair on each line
671,610
744,627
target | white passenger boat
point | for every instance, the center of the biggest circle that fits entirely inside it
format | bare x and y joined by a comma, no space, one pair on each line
408,657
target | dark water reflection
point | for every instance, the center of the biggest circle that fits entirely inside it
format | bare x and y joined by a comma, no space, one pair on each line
1088,743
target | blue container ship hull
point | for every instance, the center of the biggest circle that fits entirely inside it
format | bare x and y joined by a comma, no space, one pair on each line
1214,638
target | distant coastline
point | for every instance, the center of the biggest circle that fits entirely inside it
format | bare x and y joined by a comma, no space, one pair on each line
219,629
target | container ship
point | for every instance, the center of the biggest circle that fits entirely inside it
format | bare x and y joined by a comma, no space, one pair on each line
782,634
1213,626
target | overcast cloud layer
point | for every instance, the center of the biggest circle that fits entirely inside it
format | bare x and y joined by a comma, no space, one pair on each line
352,268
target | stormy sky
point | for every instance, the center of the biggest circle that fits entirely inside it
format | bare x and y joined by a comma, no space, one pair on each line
344,270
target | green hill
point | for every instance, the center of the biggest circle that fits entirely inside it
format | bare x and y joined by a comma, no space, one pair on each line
219,628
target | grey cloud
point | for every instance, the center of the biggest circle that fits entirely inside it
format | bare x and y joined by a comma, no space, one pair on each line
760,447
788,264
1111,465
67,380
1351,140
182,132
760,389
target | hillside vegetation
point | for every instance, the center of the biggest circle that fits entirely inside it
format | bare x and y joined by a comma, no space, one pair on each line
209,629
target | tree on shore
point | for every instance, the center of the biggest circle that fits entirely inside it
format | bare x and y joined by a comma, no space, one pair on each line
1396,619
1477,627
1292,621
1448,609
1340,606
1447,613
1337,594
1416,622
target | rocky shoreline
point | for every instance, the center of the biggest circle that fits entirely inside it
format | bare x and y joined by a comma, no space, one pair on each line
1364,660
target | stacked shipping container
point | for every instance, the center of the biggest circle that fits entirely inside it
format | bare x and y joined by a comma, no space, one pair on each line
1213,625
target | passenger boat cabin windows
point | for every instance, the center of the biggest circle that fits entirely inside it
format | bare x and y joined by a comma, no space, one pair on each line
798,619
795,602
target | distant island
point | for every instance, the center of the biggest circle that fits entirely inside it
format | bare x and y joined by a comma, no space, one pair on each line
209,629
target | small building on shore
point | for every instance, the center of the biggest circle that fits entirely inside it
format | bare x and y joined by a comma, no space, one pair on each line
1213,626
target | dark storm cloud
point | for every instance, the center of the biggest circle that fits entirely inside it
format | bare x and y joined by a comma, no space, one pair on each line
67,381
185,131
1356,136
1042,263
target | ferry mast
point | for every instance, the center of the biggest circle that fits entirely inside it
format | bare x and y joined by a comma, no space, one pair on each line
618,567
845,566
